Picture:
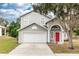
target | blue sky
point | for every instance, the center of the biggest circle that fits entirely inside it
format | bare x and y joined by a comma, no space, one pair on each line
11,11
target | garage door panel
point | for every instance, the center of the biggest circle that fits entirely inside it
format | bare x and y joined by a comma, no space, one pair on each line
34,37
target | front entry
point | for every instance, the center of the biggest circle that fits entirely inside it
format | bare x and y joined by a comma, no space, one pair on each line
57,37
55,34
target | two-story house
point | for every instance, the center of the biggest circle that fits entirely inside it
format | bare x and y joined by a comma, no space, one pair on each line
37,28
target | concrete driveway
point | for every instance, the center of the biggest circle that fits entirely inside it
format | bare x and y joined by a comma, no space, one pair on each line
32,50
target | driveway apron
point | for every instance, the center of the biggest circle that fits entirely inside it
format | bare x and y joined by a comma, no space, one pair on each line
32,50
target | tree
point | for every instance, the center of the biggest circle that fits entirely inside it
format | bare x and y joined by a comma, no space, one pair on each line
67,13
3,22
14,26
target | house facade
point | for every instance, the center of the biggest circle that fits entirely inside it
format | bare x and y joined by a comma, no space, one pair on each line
37,28
2,30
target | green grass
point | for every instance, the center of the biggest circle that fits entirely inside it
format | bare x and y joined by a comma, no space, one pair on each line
64,47
7,44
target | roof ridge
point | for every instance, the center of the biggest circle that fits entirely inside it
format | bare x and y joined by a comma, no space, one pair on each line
35,12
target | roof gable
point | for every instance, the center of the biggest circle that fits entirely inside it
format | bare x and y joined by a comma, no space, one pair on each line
35,12
32,24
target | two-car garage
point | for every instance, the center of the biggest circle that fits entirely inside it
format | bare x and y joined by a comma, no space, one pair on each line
33,34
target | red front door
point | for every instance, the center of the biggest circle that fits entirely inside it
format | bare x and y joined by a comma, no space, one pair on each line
57,38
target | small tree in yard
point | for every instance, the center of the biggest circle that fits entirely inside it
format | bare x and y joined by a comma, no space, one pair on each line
14,26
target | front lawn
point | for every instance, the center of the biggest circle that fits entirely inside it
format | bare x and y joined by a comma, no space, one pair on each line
64,48
7,44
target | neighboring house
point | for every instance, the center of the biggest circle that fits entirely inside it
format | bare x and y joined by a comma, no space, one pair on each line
37,28
2,30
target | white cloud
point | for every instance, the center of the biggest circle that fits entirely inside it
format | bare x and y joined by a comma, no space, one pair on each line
10,11
14,13
3,10
19,10
20,4
26,11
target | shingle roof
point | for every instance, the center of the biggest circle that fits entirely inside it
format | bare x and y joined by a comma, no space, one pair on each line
35,12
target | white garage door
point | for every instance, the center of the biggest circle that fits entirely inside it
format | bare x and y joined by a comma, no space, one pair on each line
34,37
